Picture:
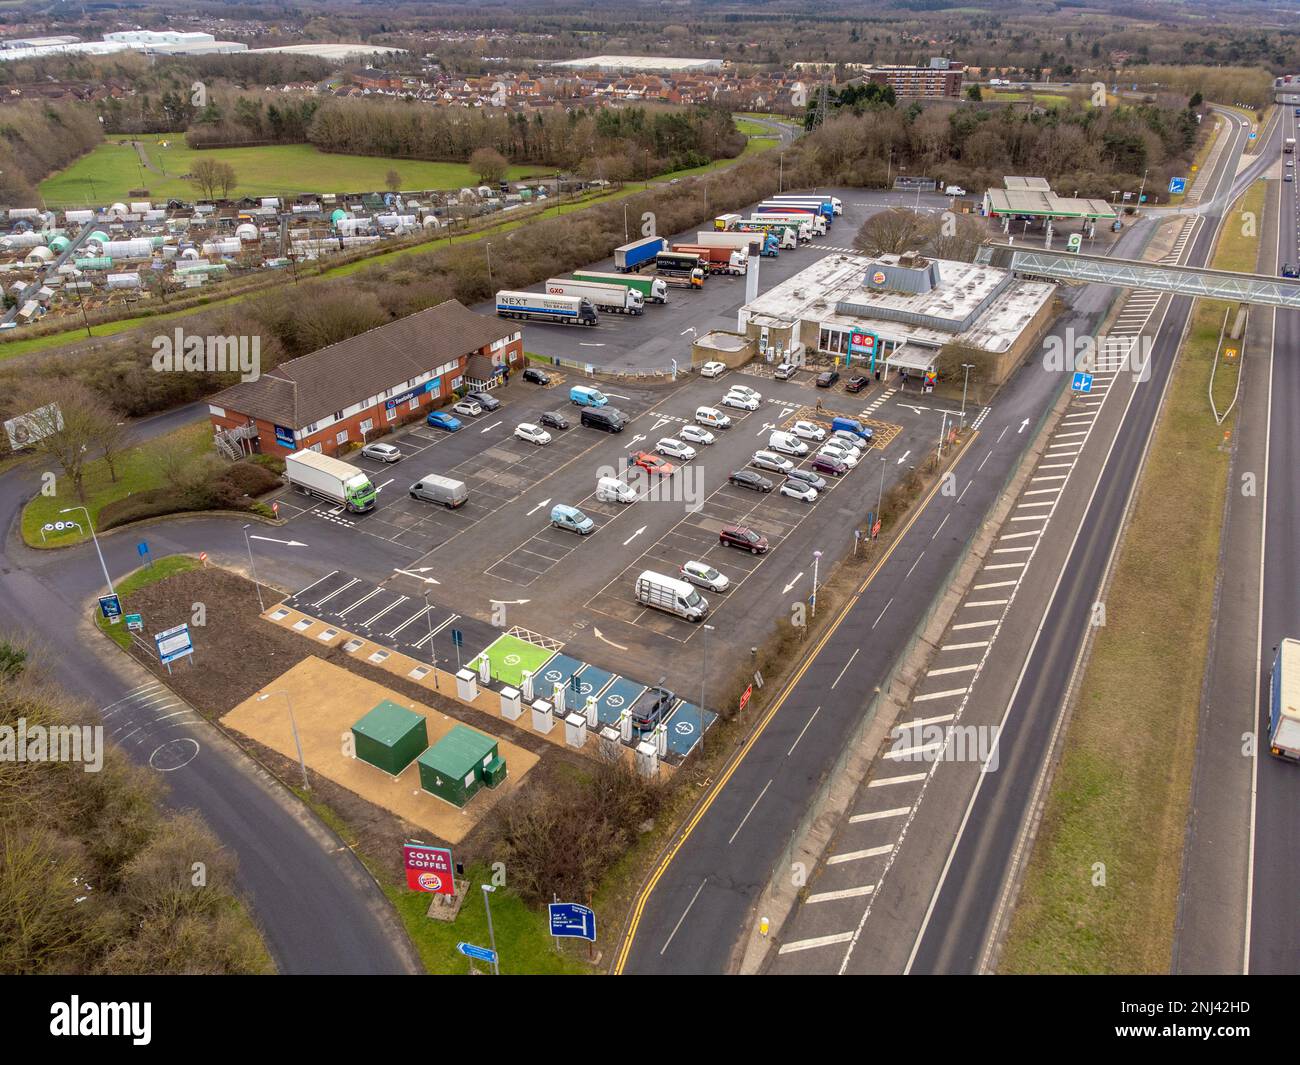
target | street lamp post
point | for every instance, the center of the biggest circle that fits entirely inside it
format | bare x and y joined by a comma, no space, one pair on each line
880,495
704,673
293,726
492,936
433,652
967,366
95,539
817,557
253,566
488,250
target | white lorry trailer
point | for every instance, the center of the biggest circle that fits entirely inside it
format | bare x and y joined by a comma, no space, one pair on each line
331,479
616,299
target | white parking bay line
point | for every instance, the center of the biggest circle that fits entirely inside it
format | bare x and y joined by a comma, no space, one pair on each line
843,893
811,944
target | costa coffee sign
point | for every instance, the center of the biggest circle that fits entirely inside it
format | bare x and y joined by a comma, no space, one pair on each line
429,869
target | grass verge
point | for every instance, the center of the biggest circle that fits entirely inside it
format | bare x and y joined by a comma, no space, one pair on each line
142,578
1118,805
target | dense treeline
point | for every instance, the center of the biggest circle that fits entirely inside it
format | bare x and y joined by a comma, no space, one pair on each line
94,876
38,138
230,121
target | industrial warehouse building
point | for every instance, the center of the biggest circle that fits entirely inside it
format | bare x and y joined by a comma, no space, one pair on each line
895,312
353,390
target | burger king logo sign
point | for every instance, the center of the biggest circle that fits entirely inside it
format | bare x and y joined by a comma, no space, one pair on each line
878,278
429,869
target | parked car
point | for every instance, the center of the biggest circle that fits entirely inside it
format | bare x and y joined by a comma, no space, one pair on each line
745,390
838,444
705,576
749,479
468,408
712,417
740,401
845,456
652,707
808,431
382,452
829,464
564,516
534,434
853,427
696,434
675,449
787,444
784,372
800,490
536,376
713,369
827,378
808,477
440,419
770,460
652,463
612,490
484,400
852,439
554,421
744,537
856,383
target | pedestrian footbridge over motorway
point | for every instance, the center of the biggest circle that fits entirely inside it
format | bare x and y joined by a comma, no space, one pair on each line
1194,281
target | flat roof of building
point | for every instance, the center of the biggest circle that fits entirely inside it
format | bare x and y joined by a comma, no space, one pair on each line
639,62
1040,204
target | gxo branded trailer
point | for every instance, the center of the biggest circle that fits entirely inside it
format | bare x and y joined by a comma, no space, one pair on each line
652,289
538,306
617,299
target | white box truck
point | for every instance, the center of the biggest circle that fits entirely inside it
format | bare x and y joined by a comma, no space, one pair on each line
618,299
671,595
1284,702
331,479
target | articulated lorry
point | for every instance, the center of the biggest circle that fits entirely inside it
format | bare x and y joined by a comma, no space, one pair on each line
717,260
831,205
1284,702
637,254
652,289
815,220
330,478
769,245
787,233
539,307
680,268
616,299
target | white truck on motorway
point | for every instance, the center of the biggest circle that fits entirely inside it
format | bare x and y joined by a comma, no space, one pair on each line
1284,702
330,478
671,595
618,299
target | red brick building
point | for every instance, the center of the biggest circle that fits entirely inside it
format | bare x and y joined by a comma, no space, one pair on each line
378,80
358,388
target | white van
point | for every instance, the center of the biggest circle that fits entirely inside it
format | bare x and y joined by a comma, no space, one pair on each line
787,444
712,417
612,490
671,595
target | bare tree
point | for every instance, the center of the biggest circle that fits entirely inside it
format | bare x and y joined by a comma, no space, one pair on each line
113,439
489,164
393,181
65,421
957,236
213,178
893,231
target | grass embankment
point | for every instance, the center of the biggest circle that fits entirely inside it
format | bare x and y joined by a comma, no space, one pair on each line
137,471
113,169
1121,792
1201,156
141,578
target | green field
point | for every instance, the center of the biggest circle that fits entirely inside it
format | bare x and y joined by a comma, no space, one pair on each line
113,169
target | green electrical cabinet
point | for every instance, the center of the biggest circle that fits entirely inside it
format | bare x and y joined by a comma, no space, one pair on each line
390,737
459,764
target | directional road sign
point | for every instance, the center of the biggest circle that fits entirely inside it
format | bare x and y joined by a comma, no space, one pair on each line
478,953
569,920
1082,382
1177,185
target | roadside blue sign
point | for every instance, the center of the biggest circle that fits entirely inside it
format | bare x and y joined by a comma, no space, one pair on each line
569,920
142,548
457,637
135,622
1251,137
1177,184
1082,382
478,953
110,606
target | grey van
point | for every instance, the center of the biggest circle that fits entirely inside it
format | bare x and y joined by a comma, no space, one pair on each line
435,489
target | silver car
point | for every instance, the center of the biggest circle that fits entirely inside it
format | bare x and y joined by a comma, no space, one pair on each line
705,576
381,452
800,490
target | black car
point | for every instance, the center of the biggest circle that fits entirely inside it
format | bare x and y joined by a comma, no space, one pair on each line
1288,270
484,400
538,377
554,421
808,477
749,479
856,384
652,707
827,378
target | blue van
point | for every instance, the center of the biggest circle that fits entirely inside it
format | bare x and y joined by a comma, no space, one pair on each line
852,425
571,518
587,397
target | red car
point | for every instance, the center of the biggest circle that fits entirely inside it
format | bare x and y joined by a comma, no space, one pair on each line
653,463
744,537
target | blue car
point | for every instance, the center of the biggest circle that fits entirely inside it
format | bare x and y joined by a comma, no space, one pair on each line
441,420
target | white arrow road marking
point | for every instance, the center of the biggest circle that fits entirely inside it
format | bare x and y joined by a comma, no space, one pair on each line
409,573
786,412
487,427
765,428
1023,426
659,422
634,536
510,602
615,395
798,576
539,506
596,632
903,458
273,540
909,406
385,485
633,442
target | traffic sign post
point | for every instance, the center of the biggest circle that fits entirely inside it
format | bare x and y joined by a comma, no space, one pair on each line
457,638
477,953
1082,383
1177,185
571,920
110,606
429,869
142,549
135,622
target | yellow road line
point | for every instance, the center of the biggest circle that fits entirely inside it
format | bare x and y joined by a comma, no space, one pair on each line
644,896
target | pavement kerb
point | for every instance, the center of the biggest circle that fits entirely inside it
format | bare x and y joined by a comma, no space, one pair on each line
777,908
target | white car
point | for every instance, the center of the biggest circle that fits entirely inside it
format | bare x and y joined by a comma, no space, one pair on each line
841,448
696,434
705,576
468,408
800,490
675,449
534,434
745,390
847,457
382,452
770,460
740,401
808,431
787,444
713,369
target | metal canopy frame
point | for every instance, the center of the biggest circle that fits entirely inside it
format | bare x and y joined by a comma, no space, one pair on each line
1128,273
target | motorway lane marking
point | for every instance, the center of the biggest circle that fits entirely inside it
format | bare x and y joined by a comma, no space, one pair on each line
1044,491
879,815
938,695
843,893
1005,565
1016,536
987,602
996,584
882,612
965,490
914,564
846,665
857,856
819,941
1008,550
683,916
950,669
974,624
907,778
941,525
802,731
964,646
746,817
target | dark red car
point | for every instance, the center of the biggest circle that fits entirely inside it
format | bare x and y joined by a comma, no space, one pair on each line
744,537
